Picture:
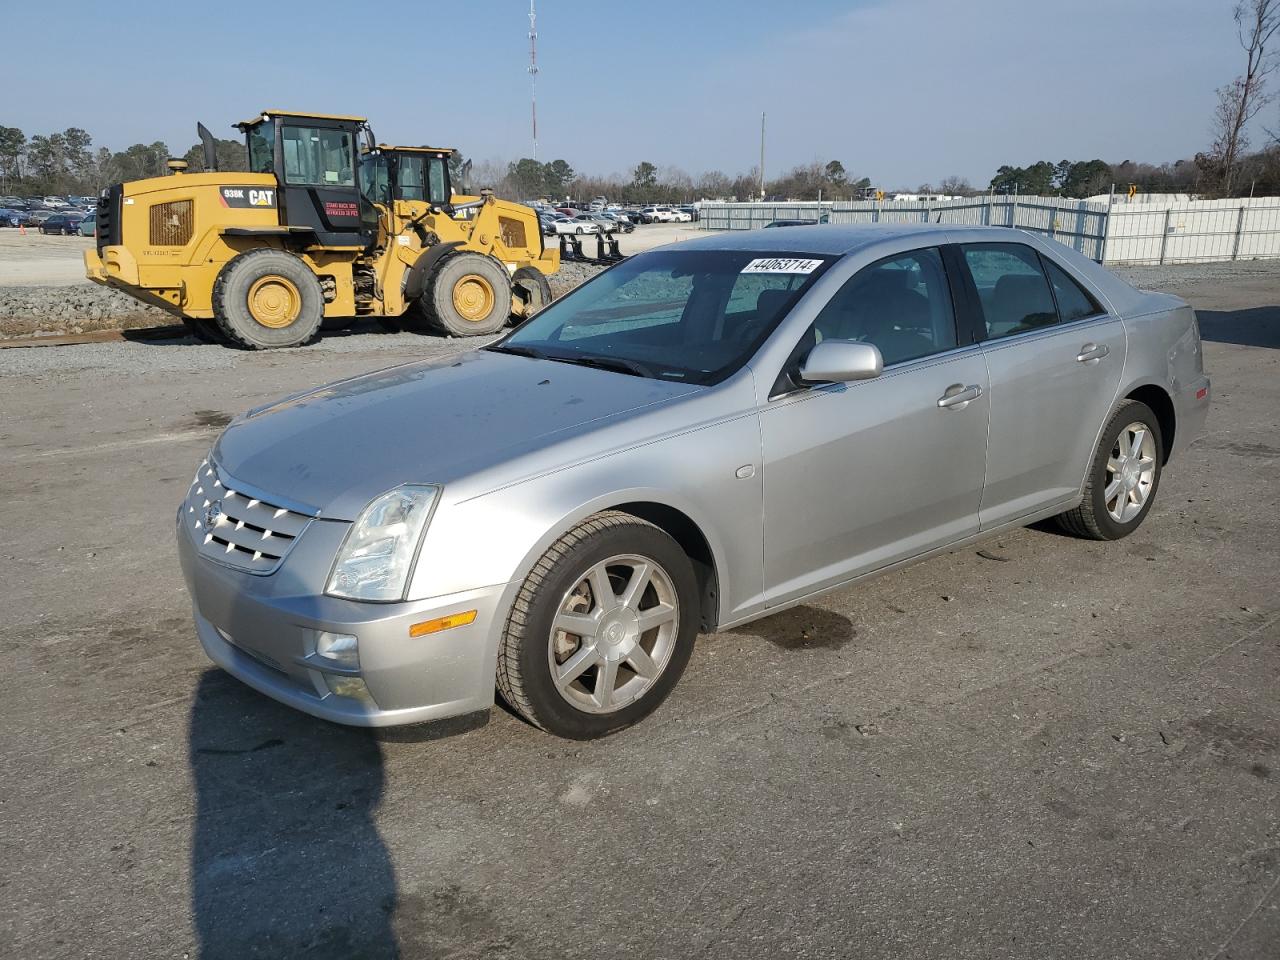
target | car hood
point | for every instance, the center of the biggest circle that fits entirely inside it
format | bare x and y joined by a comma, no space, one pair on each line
337,447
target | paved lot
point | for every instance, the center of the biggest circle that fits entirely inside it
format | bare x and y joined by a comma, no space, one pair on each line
1050,749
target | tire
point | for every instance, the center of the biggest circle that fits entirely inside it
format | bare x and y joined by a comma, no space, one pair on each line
1094,519
285,294
534,287
468,295
559,584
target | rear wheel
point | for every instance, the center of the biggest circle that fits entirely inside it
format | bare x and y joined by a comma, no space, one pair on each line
267,298
601,629
1123,477
468,295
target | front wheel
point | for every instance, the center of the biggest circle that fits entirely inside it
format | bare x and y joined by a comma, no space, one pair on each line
532,292
468,295
1123,476
601,629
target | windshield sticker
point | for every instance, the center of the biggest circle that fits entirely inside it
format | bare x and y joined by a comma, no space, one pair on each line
781,265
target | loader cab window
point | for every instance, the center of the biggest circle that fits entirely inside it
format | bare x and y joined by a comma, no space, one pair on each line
437,180
317,156
374,182
262,154
409,179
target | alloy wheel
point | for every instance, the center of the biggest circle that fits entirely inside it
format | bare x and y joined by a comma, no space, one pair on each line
613,634
1131,471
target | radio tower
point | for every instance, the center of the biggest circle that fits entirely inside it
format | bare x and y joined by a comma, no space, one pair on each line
533,73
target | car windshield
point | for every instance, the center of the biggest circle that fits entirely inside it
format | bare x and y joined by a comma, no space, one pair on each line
694,316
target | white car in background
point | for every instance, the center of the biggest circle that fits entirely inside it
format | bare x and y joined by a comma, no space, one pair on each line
656,215
679,216
577,225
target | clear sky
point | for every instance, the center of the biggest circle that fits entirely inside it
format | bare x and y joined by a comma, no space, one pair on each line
903,91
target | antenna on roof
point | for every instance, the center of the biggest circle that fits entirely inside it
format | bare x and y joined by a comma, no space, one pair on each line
533,73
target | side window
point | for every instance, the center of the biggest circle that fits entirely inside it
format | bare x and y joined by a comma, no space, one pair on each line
317,156
410,175
901,304
437,180
1014,292
373,179
1074,302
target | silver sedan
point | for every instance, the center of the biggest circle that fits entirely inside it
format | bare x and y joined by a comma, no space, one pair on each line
702,435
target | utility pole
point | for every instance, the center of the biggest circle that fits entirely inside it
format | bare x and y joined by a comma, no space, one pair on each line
533,73
762,155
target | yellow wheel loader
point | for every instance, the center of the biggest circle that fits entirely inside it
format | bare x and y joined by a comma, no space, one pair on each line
326,227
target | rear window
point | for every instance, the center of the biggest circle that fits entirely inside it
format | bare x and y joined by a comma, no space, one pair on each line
1074,302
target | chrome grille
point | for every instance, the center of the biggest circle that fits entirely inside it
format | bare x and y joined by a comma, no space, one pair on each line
238,528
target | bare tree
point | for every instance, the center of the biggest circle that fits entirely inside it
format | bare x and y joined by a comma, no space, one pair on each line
1257,22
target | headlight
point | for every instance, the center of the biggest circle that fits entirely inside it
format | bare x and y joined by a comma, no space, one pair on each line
378,552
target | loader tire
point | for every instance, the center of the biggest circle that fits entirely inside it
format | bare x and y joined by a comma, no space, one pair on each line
266,299
468,295
533,288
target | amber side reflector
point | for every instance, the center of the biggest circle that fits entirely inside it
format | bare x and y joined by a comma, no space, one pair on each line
442,623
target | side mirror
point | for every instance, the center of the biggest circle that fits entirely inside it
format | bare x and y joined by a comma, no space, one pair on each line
840,361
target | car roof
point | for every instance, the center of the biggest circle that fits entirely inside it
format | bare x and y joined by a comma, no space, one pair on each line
843,239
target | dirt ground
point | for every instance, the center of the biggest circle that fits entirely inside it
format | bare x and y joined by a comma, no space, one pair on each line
1041,747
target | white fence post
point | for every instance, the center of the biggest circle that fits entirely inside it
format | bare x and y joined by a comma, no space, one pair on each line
1164,239
1235,248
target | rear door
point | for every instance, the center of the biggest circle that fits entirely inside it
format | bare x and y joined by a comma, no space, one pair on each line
1054,355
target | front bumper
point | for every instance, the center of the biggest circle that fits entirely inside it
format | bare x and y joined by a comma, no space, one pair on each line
263,630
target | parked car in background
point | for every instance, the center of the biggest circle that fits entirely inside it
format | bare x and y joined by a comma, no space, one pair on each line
9,217
65,224
576,225
547,223
607,223
844,400
680,216
656,215
55,203
620,222
89,225
568,211
38,217
691,211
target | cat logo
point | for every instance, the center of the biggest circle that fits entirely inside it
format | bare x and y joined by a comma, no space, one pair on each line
247,197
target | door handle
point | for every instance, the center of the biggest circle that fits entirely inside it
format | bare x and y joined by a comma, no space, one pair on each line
958,395
1092,351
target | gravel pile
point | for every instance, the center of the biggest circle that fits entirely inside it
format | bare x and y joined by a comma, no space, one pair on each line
30,311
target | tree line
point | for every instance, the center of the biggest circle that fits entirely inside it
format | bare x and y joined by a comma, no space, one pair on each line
66,163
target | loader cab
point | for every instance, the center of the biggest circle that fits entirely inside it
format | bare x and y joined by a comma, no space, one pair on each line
419,174
313,158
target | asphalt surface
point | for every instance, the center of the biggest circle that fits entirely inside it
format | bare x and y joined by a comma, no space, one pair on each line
1049,748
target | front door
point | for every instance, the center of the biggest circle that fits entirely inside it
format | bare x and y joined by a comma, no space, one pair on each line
860,475
1055,357
318,181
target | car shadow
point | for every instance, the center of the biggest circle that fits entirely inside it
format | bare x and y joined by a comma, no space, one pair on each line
1252,327
286,858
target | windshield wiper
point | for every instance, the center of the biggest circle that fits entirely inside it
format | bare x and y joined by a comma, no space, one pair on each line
518,349
616,364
